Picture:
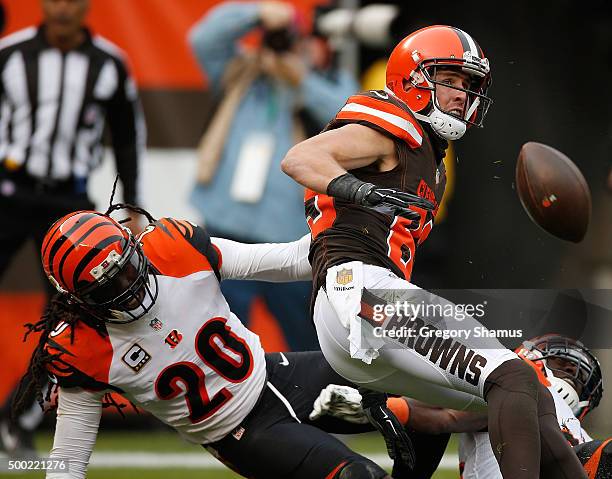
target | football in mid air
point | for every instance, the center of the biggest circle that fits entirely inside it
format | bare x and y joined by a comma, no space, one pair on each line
553,191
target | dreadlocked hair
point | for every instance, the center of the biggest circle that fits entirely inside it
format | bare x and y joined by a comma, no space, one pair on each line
120,206
135,209
60,309
109,401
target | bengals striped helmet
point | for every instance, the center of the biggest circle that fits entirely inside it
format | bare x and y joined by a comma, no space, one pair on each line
99,264
411,76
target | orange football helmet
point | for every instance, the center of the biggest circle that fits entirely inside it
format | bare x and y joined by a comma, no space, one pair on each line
99,264
411,72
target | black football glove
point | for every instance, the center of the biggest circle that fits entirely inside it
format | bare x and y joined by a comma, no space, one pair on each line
398,201
399,445
349,188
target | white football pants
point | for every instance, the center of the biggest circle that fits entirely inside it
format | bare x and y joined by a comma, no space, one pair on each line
359,339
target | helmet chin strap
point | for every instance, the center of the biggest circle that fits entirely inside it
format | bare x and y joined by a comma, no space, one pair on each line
567,392
445,125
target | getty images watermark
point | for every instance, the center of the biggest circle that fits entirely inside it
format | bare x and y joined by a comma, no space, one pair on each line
409,319
418,310
47,464
483,318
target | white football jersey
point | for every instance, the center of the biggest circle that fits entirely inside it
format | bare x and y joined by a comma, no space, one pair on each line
189,361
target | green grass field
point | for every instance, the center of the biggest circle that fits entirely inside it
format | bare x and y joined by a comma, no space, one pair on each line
161,443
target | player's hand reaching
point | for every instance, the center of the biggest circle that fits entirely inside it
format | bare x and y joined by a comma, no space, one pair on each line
363,406
343,402
399,203
399,445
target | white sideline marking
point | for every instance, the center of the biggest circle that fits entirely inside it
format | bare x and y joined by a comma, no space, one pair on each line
200,460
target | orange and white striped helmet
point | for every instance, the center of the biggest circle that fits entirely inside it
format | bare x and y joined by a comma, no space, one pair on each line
411,72
99,265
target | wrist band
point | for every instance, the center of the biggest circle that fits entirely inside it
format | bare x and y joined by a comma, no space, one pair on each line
347,187
399,407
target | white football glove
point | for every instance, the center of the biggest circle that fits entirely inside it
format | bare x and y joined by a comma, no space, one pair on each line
342,402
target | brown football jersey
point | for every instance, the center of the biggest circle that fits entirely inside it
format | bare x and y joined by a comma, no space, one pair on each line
343,231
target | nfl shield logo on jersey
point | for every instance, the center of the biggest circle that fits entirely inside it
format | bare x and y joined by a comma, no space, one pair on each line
156,324
344,276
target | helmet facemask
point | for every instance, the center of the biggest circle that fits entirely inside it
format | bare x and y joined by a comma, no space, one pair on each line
452,125
573,364
124,289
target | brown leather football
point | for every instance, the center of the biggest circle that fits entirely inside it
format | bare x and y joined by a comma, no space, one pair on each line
553,191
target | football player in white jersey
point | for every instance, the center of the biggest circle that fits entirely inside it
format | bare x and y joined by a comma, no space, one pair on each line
572,374
144,317
565,366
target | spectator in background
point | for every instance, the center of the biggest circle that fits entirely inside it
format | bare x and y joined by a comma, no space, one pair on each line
273,97
58,84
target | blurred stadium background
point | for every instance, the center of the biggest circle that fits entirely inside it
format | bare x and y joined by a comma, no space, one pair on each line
551,69
127,455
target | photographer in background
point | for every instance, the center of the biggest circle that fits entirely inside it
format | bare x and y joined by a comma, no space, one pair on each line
272,97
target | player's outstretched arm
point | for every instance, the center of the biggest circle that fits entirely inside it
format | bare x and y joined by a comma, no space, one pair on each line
275,262
344,403
321,164
430,419
78,418
315,162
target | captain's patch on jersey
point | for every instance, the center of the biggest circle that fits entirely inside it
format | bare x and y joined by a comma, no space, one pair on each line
136,358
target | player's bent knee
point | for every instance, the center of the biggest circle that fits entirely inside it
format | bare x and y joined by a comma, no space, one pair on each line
361,469
514,376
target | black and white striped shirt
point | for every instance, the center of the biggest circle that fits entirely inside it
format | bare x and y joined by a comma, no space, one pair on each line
53,107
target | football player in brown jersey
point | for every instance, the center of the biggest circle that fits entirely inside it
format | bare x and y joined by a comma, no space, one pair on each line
374,179
565,366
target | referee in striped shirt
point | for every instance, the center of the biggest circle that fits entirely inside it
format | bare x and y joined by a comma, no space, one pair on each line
59,85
